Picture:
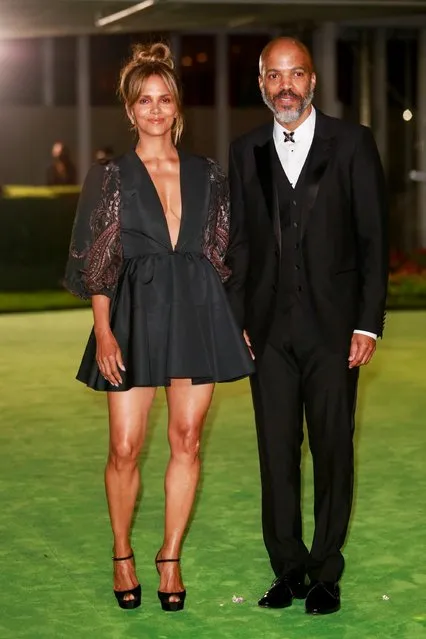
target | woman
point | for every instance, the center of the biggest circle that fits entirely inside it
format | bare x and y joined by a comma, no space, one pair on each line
148,247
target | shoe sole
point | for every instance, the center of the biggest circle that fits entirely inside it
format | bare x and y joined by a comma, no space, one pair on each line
129,605
287,605
315,613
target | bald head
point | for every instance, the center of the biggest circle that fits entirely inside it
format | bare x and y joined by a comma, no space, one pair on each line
287,80
285,46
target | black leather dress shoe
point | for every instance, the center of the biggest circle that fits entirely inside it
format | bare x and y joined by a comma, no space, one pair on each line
323,598
283,590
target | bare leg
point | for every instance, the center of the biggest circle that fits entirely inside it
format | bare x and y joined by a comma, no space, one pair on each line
128,417
188,406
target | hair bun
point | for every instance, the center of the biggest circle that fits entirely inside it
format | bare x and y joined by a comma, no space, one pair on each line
149,53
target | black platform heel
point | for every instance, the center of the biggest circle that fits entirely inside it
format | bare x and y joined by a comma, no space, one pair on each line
164,597
128,604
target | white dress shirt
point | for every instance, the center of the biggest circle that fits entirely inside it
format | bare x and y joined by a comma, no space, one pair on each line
292,156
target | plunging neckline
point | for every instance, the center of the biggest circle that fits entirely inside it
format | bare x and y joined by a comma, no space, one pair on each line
157,196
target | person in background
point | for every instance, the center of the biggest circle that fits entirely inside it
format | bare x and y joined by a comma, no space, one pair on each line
62,171
104,155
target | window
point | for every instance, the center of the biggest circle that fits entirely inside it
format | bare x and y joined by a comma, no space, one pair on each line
345,72
244,52
197,70
65,71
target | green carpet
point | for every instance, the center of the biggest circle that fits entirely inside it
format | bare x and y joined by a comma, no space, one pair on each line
55,568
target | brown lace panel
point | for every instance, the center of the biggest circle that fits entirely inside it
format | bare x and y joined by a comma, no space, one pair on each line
103,257
216,232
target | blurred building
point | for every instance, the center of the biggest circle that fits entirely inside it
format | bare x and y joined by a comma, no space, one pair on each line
58,79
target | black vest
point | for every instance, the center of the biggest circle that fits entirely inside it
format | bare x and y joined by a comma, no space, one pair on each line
292,280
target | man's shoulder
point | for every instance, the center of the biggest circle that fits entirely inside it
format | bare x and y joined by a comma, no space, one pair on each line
255,137
339,127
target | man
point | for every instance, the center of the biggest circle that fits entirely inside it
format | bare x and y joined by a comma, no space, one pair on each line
308,254
104,155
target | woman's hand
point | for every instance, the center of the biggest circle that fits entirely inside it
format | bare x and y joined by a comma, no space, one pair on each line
248,342
108,357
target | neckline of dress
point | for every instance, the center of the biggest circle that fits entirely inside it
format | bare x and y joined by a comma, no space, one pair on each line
163,213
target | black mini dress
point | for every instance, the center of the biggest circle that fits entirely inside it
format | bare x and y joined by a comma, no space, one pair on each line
169,312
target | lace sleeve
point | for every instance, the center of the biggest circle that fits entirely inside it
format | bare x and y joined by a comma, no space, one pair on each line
216,232
95,254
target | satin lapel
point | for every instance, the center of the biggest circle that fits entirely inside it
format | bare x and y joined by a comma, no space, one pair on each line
195,193
321,151
146,201
263,159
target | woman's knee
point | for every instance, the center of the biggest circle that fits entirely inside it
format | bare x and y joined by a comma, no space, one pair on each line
123,454
184,439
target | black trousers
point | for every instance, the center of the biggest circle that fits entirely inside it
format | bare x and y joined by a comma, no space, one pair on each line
299,375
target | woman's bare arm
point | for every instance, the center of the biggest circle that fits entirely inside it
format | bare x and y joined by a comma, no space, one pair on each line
108,354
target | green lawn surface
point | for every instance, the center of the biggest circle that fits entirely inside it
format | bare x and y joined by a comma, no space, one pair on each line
55,541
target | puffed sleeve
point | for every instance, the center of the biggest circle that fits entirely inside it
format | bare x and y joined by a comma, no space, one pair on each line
95,254
216,232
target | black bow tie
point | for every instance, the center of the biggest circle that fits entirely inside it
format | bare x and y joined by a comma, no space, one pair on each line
289,137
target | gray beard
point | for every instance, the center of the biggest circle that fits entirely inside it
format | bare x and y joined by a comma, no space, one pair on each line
290,115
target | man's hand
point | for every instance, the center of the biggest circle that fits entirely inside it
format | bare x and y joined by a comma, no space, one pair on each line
248,342
362,350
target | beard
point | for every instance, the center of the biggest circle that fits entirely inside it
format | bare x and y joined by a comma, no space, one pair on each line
288,114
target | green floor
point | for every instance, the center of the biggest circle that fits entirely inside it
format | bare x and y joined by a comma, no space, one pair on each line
55,569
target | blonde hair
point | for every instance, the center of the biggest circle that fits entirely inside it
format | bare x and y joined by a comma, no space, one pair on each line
148,60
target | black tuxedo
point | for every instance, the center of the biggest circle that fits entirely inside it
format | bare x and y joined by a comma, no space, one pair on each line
309,266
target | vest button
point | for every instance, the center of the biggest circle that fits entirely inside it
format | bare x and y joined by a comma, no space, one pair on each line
296,246
295,224
294,202
299,288
297,267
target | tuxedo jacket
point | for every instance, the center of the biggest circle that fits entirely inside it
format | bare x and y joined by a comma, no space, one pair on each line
343,232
